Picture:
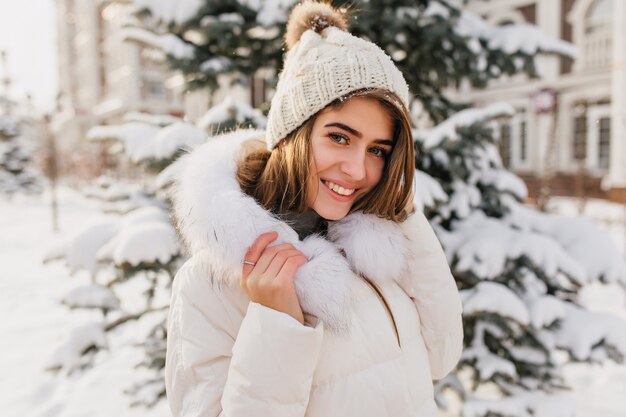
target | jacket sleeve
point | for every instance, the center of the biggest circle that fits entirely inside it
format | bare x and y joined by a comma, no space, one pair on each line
431,285
223,361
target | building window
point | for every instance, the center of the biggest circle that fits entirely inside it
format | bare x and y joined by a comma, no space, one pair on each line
505,144
580,137
598,33
604,142
522,141
153,89
258,88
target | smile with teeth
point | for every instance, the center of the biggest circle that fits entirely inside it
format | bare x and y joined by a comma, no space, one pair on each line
338,189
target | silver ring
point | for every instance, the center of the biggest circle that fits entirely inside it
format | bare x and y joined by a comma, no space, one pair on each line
247,262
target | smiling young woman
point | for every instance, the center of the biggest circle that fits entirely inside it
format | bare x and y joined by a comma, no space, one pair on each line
366,130
314,288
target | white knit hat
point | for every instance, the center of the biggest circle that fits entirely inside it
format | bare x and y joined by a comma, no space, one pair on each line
324,63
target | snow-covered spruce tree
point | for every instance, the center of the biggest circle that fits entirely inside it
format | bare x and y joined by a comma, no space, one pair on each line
138,244
431,41
519,270
16,153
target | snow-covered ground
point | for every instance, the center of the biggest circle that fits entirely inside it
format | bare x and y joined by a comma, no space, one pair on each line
599,390
34,322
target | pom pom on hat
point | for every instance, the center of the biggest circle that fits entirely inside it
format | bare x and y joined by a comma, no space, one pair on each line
312,15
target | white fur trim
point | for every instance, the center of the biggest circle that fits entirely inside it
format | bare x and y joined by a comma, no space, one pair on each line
374,247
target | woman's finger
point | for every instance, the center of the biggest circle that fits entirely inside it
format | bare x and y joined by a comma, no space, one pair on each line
254,252
268,255
279,260
290,267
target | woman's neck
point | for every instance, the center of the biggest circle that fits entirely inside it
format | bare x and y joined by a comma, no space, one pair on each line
305,223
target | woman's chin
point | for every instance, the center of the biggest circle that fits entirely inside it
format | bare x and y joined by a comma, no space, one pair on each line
331,213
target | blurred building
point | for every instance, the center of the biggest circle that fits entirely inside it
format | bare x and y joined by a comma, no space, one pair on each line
571,122
102,77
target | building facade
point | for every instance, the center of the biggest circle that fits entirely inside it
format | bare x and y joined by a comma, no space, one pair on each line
102,76
570,124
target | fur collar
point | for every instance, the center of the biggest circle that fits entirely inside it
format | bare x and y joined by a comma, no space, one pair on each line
219,221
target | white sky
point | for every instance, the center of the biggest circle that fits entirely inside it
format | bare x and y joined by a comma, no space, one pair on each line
28,34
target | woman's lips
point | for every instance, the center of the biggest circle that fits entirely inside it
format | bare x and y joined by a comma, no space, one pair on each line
337,196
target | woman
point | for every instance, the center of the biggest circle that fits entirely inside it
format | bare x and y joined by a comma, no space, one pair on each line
313,289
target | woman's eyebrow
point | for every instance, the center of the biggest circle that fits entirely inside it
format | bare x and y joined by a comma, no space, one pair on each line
357,133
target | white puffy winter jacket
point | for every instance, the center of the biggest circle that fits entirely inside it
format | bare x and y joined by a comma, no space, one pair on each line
382,312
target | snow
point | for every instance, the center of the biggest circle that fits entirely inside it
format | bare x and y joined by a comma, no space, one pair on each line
524,38
171,11
168,42
581,239
92,296
504,181
174,137
545,310
133,135
427,191
233,18
261,32
270,12
79,251
118,197
37,324
230,109
436,9
463,199
154,119
69,354
216,65
142,243
9,125
484,245
143,141
448,128
541,405
600,329
494,298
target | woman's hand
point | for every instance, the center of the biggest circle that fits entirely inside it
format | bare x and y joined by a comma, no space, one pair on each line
270,281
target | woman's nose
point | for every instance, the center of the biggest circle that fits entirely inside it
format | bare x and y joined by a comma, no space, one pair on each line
354,166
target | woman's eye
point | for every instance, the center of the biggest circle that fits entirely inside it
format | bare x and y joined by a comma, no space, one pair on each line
339,138
379,152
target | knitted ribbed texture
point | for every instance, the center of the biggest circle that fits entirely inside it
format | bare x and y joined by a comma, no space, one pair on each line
323,67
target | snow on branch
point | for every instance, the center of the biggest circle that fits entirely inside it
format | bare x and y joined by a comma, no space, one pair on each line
92,296
143,141
161,120
270,12
426,191
525,38
80,250
523,405
504,181
230,110
170,11
167,42
448,129
145,236
579,237
545,310
483,246
604,334
494,298
80,339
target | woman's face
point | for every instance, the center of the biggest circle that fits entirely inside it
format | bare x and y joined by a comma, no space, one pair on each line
349,146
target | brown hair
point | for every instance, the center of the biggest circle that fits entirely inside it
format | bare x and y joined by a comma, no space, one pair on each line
277,179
